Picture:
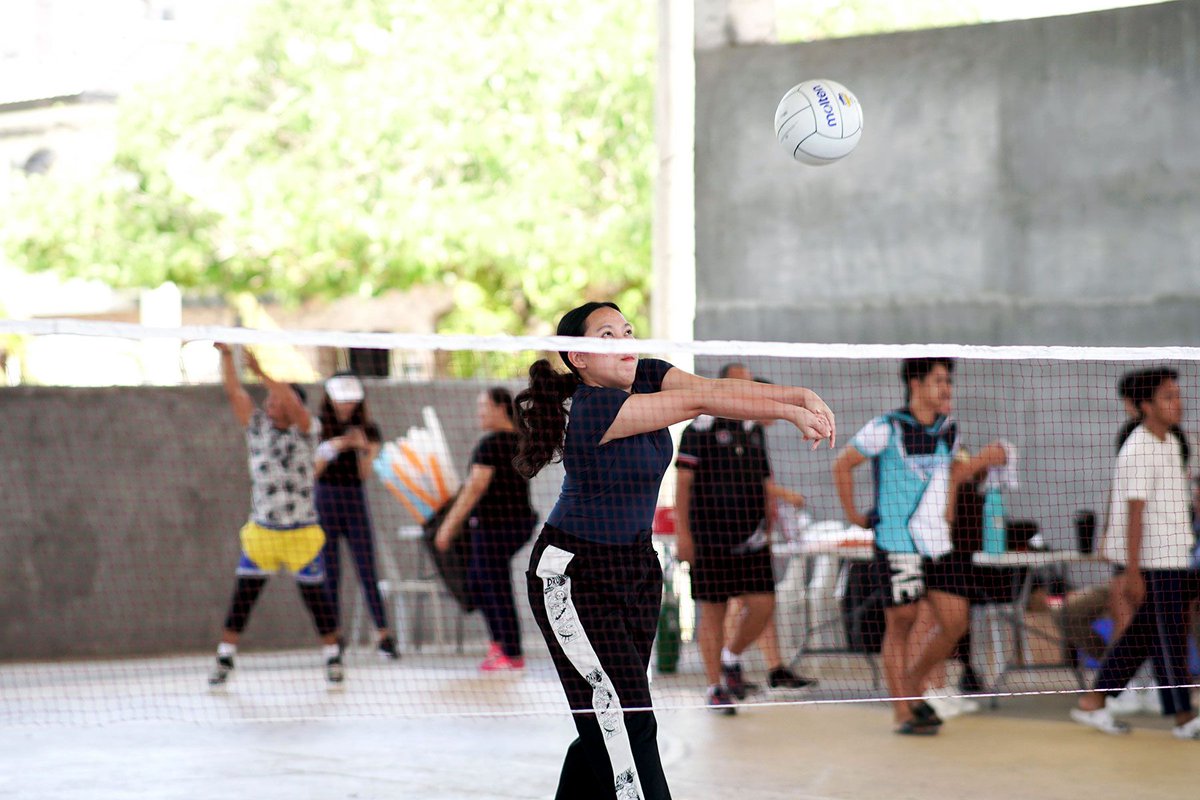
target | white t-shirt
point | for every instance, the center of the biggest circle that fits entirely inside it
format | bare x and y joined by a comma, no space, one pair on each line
1151,469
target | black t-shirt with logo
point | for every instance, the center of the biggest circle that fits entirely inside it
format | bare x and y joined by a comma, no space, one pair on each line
730,465
506,501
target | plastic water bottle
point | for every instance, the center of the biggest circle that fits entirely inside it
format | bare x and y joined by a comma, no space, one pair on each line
995,536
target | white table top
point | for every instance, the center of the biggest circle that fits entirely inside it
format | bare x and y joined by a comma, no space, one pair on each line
861,550
1034,558
854,549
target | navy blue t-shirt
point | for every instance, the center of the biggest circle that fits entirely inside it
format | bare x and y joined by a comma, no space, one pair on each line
610,490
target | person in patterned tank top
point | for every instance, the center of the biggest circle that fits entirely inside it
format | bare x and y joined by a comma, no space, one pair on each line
282,532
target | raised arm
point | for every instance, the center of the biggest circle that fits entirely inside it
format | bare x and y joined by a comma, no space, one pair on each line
239,400
283,393
843,478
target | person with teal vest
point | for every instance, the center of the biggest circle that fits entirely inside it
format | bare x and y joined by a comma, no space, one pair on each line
912,451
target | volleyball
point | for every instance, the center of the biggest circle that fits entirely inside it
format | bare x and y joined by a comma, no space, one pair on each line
818,122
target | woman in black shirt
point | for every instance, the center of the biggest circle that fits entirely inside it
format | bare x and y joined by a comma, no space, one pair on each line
495,504
594,579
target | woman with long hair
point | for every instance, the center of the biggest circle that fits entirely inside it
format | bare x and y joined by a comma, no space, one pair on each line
350,442
494,502
594,580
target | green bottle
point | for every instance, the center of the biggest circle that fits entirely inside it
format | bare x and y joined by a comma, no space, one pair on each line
668,639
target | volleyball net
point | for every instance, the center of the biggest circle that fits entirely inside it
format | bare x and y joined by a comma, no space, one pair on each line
127,479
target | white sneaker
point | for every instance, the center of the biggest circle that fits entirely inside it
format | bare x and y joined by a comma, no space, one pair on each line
968,706
1188,730
945,704
1100,719
1127,702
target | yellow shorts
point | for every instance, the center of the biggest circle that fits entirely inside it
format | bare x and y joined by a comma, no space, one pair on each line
297,550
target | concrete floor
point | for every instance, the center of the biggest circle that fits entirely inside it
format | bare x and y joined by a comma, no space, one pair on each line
150,729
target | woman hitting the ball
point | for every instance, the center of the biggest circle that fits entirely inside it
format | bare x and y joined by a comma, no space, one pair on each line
595,583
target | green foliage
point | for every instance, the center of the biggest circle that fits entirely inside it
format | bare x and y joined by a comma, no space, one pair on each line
357,146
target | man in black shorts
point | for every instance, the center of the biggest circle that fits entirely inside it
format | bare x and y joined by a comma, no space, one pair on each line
913,452
721,510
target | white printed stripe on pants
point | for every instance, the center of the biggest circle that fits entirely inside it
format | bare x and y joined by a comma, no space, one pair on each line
573,640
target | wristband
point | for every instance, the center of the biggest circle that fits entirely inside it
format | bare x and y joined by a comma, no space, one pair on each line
327,451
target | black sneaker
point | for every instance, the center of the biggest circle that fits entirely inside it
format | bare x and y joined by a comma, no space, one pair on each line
736,683
221,671
721,700
913,728
970,683
924,716
387,649
784,678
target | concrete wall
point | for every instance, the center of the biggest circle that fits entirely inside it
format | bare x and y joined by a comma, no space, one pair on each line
1023,182
119,513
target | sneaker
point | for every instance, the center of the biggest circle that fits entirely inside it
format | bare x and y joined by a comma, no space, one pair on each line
784,678
334,673
495,652
948,706
925,716
387,649
221,671
1188,730
1127,702
942,703
736,683
503,663
720,700
913,727
970,683
1100,719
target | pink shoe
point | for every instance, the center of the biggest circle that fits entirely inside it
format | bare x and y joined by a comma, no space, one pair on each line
494,652
503,663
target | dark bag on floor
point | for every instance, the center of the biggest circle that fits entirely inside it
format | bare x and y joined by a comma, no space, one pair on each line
862,611
452,565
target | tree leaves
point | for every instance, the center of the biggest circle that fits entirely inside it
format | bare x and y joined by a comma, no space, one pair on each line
357,147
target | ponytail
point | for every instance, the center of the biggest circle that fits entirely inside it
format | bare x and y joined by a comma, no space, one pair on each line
541,418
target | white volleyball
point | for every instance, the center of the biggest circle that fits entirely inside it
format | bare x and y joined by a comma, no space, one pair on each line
818,122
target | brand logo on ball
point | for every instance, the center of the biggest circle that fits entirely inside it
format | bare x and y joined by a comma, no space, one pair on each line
846,99
826,105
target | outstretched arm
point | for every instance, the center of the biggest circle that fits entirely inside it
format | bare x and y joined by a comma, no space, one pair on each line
242,405
283,393
792,395
642,413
